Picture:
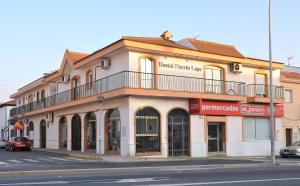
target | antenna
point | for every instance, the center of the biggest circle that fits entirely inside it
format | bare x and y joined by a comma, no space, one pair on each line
289,60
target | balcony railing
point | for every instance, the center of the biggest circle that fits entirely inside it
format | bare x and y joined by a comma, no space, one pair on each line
261,90
129,79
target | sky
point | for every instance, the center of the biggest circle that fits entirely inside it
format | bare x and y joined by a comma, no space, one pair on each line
34,34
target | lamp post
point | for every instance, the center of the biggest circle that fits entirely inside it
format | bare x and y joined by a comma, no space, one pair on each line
273,161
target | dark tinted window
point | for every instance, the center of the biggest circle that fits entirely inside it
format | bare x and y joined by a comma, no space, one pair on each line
21,139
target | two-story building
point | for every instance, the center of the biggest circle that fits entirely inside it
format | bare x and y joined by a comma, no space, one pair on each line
290,79
5,108
154,96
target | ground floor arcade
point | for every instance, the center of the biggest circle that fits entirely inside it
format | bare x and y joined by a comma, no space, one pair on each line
132,126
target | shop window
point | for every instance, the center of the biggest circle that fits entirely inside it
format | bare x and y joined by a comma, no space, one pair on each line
147,70
147,130
288,96
214,79
256,128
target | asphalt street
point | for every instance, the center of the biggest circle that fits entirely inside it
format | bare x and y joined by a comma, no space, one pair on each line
273,176
36,160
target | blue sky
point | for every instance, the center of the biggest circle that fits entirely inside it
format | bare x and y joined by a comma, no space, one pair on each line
34,34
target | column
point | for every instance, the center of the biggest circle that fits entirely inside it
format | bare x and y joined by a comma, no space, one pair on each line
197,136
69,132
82,132
164,134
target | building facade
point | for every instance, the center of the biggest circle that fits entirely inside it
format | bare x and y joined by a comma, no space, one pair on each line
290,79
154,96
5,108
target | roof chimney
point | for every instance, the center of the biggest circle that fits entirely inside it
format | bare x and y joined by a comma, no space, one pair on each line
166,35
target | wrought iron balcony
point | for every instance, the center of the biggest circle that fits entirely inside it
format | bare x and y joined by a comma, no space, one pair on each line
137,80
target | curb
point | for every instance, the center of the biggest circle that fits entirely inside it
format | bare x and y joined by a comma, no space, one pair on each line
129,169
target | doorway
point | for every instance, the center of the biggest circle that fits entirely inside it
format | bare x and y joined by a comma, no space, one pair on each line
178,133
76,132
113,131
288,137
43,133
216,137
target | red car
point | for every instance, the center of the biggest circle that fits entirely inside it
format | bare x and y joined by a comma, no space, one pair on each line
18,143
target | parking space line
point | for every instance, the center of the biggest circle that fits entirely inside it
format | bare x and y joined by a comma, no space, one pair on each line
59,159
31,160
14,161
3,163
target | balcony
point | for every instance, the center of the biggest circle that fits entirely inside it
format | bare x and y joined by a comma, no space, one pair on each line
259,93
136,83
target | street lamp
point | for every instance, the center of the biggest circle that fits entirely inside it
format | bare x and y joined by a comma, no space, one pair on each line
273,161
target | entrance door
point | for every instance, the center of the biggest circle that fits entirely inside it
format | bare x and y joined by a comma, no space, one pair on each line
288,137
178,132
113,131
76,133
43,134
216,137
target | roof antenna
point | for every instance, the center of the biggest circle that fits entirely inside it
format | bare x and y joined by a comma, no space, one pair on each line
289,60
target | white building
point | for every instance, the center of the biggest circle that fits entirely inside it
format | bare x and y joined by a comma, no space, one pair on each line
5,108
154,96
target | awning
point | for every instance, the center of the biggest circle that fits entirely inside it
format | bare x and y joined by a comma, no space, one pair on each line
19,125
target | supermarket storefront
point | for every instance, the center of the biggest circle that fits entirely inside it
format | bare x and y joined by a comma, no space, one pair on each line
236,129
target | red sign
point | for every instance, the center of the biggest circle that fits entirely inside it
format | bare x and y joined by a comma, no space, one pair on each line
197,106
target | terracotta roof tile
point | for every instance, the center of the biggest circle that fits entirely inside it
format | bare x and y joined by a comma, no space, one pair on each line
216,48
290,74
75,56
155,41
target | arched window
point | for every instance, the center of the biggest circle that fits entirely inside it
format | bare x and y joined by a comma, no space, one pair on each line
147,70
63,132
214,82
147,125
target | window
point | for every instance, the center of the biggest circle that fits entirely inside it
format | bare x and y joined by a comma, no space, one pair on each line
147,70
214,82
256,128
147,130
288,96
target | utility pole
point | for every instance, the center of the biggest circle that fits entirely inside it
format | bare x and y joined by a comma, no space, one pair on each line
273,161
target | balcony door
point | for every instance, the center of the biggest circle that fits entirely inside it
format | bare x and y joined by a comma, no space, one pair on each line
214,80
146,76
260,85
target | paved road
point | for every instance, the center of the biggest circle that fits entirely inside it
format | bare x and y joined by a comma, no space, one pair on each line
274,176
27,161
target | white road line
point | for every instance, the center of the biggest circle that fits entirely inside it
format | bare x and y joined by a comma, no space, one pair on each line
226,182
59,159
80,160
45,159
38,183
31,160
14,161
3,163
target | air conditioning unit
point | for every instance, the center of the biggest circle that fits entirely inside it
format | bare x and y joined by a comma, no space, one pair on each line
49,117
66,79
236,67
105,63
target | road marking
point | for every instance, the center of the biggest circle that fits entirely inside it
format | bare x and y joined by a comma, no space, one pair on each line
80,160
37,183
3,163
60,159
31,160
226,182
45,159
14,161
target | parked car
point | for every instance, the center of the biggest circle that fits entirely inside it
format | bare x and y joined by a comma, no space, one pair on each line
2,144
18,143
292,150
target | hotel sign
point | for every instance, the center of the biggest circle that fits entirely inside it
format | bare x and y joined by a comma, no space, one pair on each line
178,66
197,106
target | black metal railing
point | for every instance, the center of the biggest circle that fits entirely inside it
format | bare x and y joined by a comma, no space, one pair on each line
261,90
129,79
